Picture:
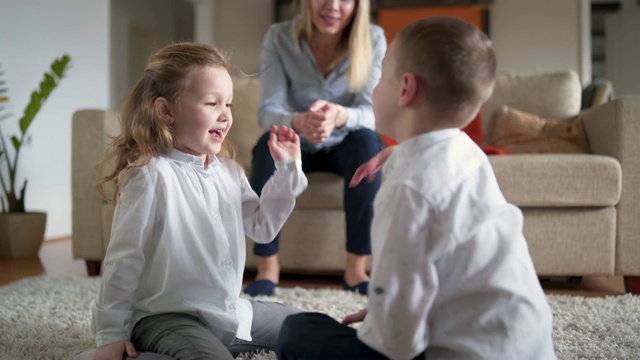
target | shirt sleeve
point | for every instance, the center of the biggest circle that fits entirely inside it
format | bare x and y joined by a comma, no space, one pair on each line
404,281
125,258
274,109
360,111
264,216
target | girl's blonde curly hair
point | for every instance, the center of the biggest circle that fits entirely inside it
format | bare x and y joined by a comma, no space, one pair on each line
144,134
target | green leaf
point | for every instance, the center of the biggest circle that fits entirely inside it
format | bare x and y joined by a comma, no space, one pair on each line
47,84
65,59
58,68
35,97
29,113
15,142
59,65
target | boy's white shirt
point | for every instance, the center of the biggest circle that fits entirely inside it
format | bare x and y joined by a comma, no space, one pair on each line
452,274
178,243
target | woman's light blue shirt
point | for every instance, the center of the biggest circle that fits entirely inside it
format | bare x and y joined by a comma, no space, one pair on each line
290,82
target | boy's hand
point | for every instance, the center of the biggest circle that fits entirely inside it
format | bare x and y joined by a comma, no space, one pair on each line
115,351
284,144
370,168
353,318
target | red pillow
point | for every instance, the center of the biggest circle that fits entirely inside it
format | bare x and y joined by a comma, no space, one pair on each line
474,129
387,141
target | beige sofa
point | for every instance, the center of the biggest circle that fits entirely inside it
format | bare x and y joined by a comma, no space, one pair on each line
580,210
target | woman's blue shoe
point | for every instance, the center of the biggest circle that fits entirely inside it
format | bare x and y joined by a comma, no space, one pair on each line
362,288
261,288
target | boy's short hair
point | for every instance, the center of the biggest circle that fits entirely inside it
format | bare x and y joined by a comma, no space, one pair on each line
454,59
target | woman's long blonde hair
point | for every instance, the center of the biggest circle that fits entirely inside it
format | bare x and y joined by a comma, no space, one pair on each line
356,40
144,134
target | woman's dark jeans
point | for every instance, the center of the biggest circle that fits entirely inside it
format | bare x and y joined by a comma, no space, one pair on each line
343,159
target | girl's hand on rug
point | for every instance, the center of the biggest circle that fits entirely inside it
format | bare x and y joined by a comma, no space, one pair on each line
353,318
115,350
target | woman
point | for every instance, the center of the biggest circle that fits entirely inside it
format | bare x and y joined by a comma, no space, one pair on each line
317,74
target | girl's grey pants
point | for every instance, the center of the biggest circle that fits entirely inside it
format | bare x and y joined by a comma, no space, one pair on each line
184,337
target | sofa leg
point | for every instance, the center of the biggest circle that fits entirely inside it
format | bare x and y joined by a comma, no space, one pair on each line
632,284
93,267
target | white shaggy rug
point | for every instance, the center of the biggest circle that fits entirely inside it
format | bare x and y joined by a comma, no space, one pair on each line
47,317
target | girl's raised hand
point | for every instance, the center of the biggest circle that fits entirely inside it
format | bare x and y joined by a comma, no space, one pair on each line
284,144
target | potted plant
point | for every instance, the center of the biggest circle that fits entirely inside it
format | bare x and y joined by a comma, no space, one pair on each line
22,232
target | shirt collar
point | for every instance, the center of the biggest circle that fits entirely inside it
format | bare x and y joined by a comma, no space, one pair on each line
195,161
416,145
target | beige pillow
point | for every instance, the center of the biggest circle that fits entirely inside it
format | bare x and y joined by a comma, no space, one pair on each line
516,132
552,94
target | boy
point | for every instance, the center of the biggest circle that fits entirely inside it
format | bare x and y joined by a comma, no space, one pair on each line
452,275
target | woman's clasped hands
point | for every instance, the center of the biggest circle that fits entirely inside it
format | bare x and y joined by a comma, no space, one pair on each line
318,122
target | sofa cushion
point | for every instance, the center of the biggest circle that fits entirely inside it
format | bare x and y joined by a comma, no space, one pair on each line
311,241
555,95
325,191
571,241
517,132
558,180
245,131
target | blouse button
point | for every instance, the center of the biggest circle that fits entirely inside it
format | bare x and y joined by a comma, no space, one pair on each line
232,307
217,217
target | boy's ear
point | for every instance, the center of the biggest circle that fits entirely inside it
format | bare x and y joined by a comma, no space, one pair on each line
163,110
408,89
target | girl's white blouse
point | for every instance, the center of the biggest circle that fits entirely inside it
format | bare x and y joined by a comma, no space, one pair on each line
178,243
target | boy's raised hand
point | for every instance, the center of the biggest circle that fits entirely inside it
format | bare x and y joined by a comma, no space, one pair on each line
284,144
369,169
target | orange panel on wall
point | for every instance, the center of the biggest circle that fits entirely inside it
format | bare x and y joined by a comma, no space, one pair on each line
393,20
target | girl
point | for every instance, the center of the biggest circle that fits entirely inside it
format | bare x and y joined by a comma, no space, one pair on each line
173,269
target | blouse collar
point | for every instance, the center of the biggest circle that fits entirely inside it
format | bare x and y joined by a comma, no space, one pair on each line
195,161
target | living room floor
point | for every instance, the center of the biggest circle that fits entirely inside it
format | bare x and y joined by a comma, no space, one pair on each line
56,259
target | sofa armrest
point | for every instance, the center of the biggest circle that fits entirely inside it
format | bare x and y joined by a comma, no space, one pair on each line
92,131
613,129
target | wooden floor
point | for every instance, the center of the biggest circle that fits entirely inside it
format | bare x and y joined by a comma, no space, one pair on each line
55,259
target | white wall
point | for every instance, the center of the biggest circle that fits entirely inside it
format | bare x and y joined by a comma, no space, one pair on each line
622,54
540,35
138,28
239,27
204,29
34,32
